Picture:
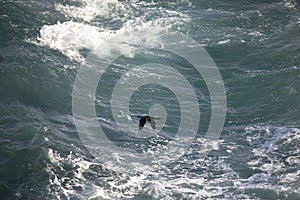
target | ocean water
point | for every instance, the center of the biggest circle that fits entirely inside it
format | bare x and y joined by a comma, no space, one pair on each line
46,45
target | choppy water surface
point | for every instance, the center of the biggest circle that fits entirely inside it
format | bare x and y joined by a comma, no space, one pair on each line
255,45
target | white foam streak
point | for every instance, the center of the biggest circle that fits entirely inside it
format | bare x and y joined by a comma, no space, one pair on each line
291,4
197,181
71,37
60,185
89,9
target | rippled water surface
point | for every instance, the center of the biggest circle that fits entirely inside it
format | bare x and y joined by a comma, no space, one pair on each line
254,44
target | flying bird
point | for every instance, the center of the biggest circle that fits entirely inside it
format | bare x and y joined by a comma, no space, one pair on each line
145,119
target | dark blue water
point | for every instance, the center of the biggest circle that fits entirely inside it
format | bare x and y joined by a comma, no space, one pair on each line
44,45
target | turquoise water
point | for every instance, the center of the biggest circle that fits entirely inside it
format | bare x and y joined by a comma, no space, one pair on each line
254,44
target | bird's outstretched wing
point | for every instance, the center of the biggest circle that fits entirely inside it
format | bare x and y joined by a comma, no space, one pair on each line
152,122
